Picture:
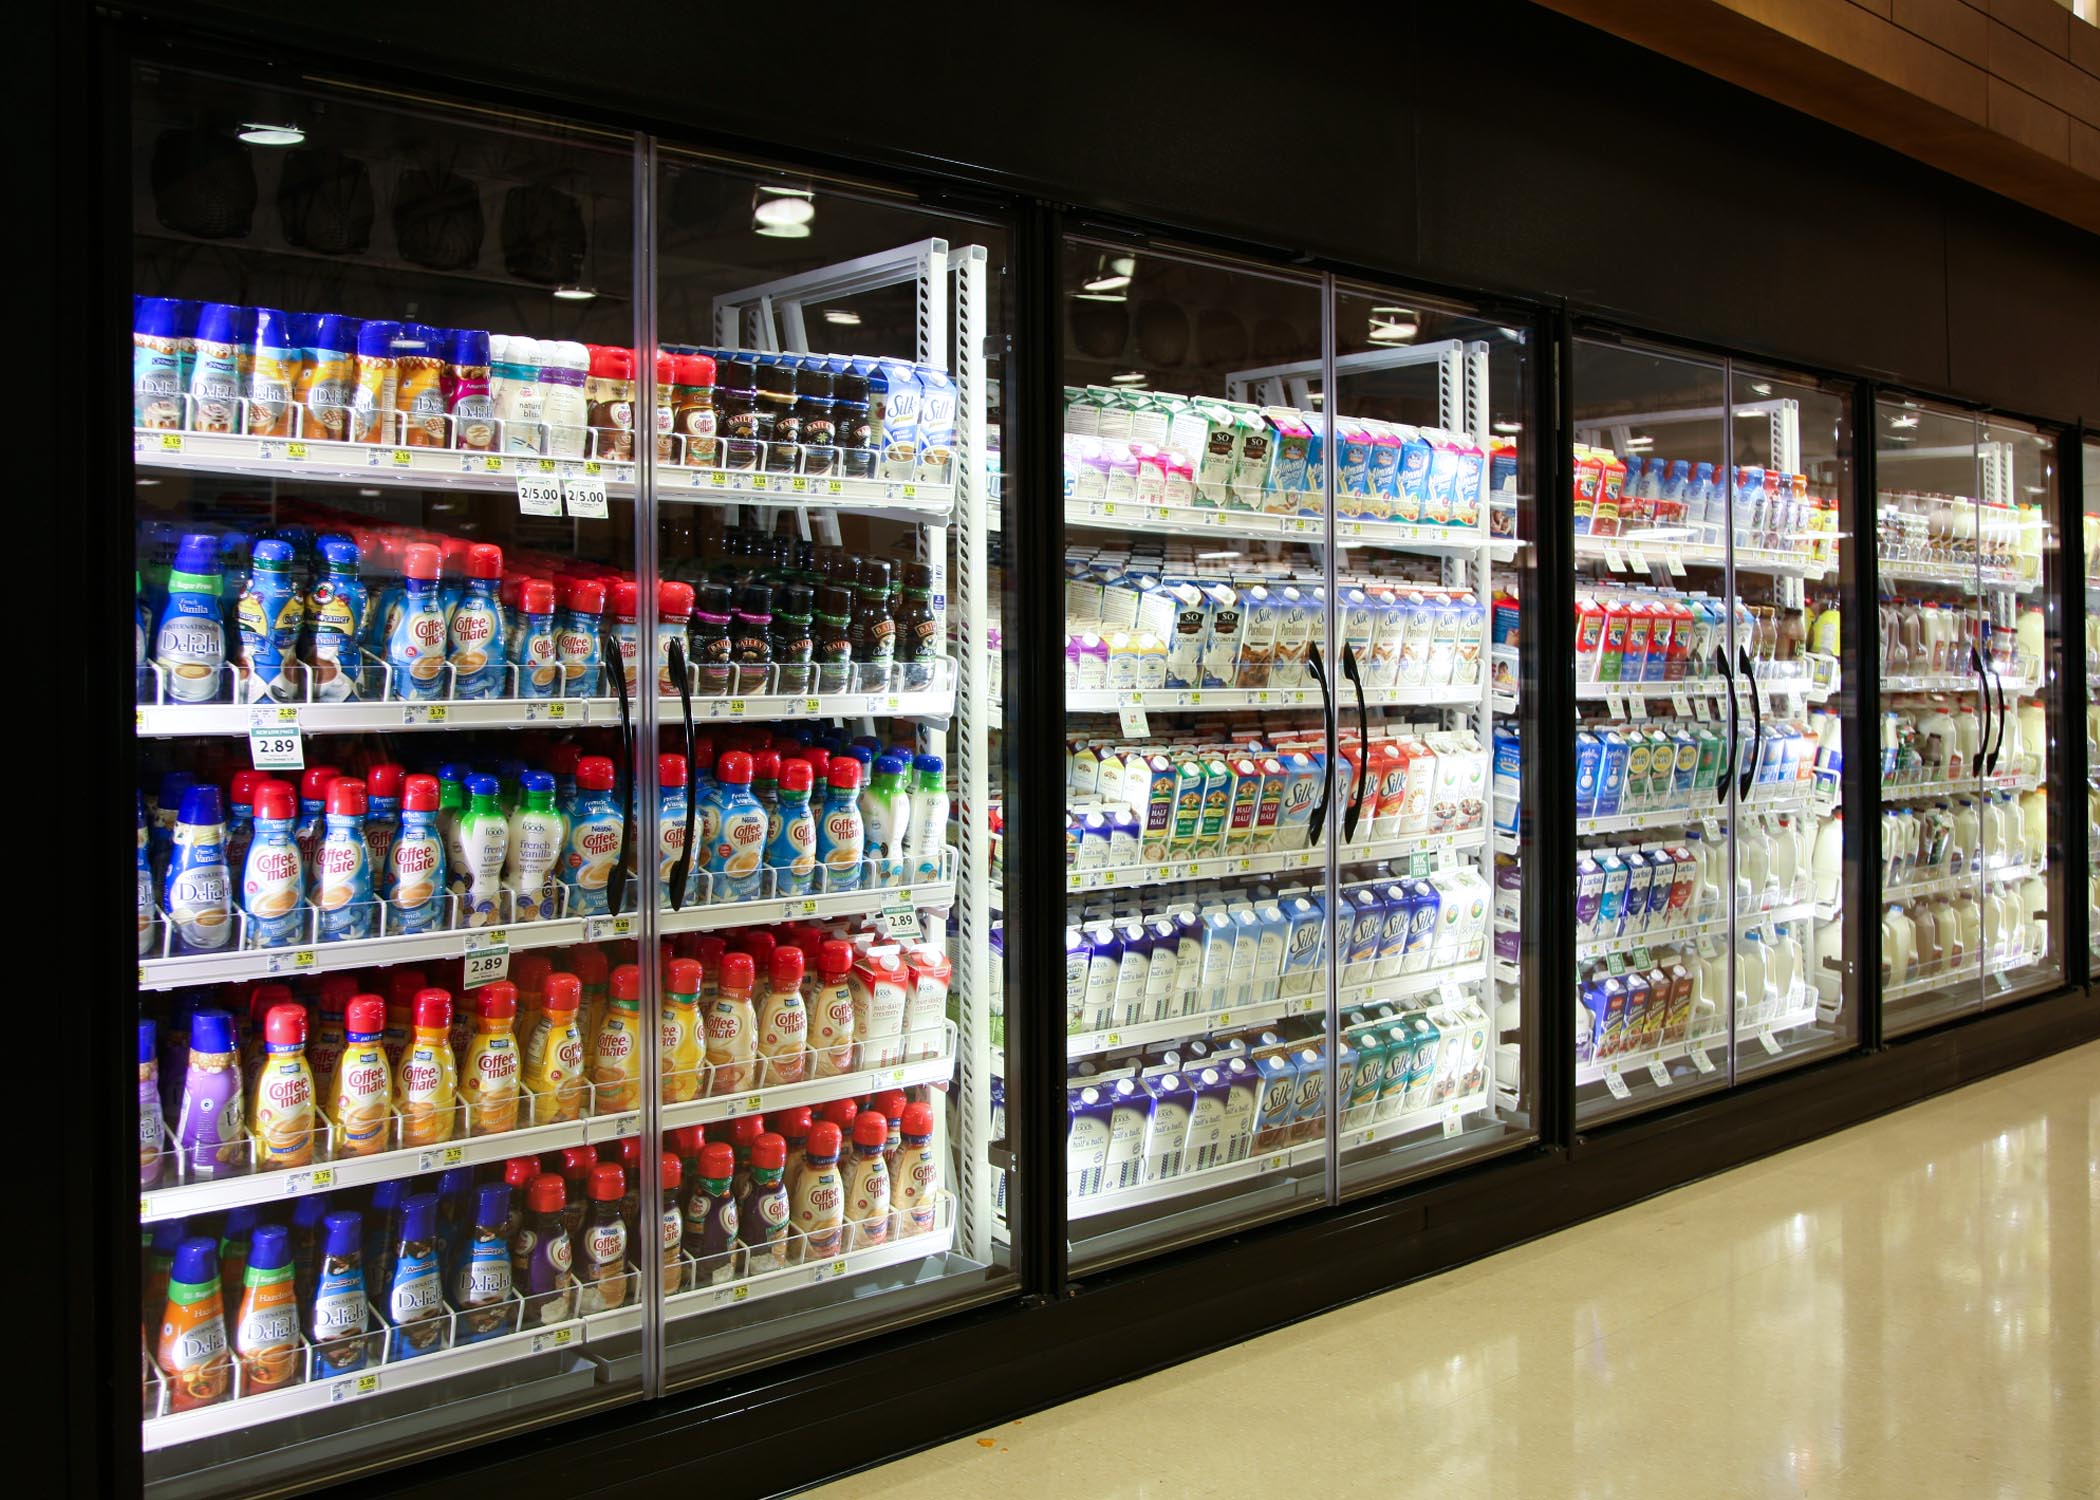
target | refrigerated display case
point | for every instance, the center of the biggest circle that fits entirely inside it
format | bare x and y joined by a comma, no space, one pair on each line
1967,650
564,661
2090,523
1283,918
1710,516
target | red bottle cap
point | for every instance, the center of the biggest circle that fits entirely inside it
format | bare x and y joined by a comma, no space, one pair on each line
346,797
421,561
536,597
244,784
712,947
717,1161
845,773
918,1119
683,976
734,768
274,802
548,1194
674,600
760,945
736,971
696,369
841,1114
835,958
365,1016
795,775
561,760
769,1151
594,773
745,1129
629,1149
687,1140
787,968
563,994
765,765
670,1170
384,779
313,786
532,970
337,990
626,599
419,794
520,1170
666,374
670,770
609,362
402,985
823,1140
484,560
890,1102
455,550
607,1182
433,1010
871,1129
627,982
587,597
497,1001
285,1026
577,1161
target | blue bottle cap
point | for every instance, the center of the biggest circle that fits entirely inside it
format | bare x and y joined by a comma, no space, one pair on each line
198,553
346,1233
274,553
930,765
196,1262
453,770
470,346
482,786
308,1212
340,552
186,314
306,330
889,765
869,740
419,1217
233,548
270,1249
211,1031
455,1182
168,1235
274,330
148,1040
493,1209
246,335
173,784
864,755
414,340
157,318
537,781
375,340
239,1221
200,804
219,323
386,1197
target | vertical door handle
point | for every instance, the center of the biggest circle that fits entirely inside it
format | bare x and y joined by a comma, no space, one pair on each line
1748,770
1728,748
683,868
1319,812
1363,744
616,880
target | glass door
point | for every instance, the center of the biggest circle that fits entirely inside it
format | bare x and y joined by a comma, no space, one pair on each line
1709,501
386,771
2091,539
1433,487
832,1043
1965,650
1199,693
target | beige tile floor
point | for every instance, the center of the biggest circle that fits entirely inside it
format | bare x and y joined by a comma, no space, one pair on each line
1905,1311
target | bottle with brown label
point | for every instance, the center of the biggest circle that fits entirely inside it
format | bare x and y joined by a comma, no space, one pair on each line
874,635
608,397
750,638
918,642
696,420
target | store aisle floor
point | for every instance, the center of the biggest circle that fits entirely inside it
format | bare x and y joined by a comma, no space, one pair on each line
1901,1312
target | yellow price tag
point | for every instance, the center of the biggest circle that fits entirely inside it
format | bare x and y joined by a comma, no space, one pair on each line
718,480
171,442
736,708
739,1293
1108,507
303,959
911,492
546,465
142,1210
811,706
492,463
838,1268
402,457
590,466
754,1101
295,451
437,713
798,484
1223,1018
758,481
452,1156
834,487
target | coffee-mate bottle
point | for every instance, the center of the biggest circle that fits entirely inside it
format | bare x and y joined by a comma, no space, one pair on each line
791,852
489,1072
616,1054
783,1023
542,1254
343,900
711,1216
867,1183
359,1101
313,814
197,895
670,831
193,1353
601,1250
281,1117
427,1084
680,1049
553,1062
594,839
915,1179
817,1210
732,1027
382,822
841,839
415,647
737,847
762,1211
417,862
474,640
273,880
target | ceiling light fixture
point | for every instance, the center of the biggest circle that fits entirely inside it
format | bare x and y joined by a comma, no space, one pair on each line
1508,428
1906,420
784,211
1123,265
1761,387
257,134
781,231
1110,283
1215,556
1129,377
571,293
1099,297
843,317
1393,325
1642,443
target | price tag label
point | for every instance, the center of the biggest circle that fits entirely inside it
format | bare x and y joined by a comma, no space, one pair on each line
1680,705
545,709
354,1387
426,713
440,1157
1134,724
273,739
487,958
1699,1059
1675,560
314,1180
1660,1072
1636,560
1702,710
1637,707
584,493
299,961
810,706
539,495
607,928
1769,1042
759,482
626,1125
1454,1121
718,480
805,906
1615,1084
553,1338
901,920
171,442
1613,560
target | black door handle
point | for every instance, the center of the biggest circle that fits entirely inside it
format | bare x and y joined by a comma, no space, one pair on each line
616,881
1748,771
1983,688
1319,812
1363,744
1721,781
1991,766
675,652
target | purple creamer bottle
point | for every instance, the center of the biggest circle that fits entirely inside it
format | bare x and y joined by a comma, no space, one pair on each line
544,1250
149,1106
208,1131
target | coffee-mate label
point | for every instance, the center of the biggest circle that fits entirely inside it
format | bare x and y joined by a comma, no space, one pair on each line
831,1029
283,1123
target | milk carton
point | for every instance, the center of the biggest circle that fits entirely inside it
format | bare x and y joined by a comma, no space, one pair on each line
1189,633
1352,466
895,401
1422,773
1089,1117
1205,1146
1392,938
1221,646
1166,1137
1268,807
1411,496
1310,1115
936,426
1304,941
1278,1073
1217,810
1301,790
1261,613
1290,446
1382,476
1366,908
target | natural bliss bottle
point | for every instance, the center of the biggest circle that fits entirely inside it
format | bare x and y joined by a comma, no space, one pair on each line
484,834
535,846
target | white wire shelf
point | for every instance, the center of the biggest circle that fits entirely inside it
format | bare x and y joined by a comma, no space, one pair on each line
1303,1154
1967,974
1198,520
1704,805
935,1047
1624,1063
1637,554
1957,574
1910,791
1688,932
1208,700
1968,880
1181,871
